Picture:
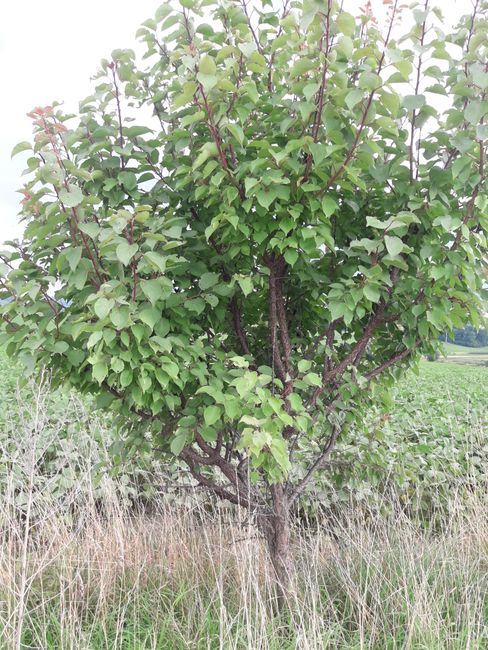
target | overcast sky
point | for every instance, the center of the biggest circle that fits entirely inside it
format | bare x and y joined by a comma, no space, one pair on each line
49,50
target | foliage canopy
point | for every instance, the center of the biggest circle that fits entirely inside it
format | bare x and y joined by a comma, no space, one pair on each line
237,243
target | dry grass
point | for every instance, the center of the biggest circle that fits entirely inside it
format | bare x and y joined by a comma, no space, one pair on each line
183,579
75,576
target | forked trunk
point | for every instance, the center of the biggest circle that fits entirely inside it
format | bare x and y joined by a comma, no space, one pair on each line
276,529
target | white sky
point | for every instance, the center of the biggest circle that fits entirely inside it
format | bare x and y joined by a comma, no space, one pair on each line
49,49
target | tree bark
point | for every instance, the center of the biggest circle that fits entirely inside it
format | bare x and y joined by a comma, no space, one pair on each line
276,530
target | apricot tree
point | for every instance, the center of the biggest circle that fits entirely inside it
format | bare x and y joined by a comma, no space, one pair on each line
240,243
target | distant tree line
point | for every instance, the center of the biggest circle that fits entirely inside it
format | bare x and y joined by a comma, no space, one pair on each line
468,337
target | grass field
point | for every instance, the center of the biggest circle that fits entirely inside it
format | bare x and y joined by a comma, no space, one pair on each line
74,577
461,354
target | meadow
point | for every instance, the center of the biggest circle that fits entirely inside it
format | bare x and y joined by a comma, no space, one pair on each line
96,551
460,354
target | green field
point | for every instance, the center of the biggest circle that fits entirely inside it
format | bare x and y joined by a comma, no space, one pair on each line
460,354
453,349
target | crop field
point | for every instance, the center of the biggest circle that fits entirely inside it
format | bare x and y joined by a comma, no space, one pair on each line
373,573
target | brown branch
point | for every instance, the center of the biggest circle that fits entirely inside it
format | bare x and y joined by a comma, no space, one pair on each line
417,86
242,494
218,490
321,92
316,465
85,245
214,131
333,374
73,213
217,138
113,66
117,394
325,335
472,202
232,473
281,313
362,123
251,28
235,94
390,362
237,323
273,53
277,362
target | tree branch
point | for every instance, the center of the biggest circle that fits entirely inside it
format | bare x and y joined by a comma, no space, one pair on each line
321,91
417,85
277,362
237,323
362,123
112,67
390,362
316,466
331,375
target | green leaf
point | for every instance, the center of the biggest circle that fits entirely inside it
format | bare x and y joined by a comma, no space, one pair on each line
265,197
310,90
207,65
373,222
126,378
178,443
100,371
71,197
405,68
60,347
208,280
102,307
353,97
319,152
22,146
156,260
250,89
249,183
369,81
208,81
94,338
312,379
329,206
371,292
394,245
73,255
134,131
291,256
152,290
128,180
247,48
474,111
208,150
120,317
237,132
345,46
125,252
346,23
196,305
246,284
482,131
89,228
211,414
413,102
150,316
198,116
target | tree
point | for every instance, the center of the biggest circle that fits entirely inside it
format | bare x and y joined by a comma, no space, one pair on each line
241,279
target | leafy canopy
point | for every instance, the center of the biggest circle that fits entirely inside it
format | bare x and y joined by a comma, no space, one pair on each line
234,242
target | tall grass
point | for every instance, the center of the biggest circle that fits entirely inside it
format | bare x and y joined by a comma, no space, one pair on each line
90,573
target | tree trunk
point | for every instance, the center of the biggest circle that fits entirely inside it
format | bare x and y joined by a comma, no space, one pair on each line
276,529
